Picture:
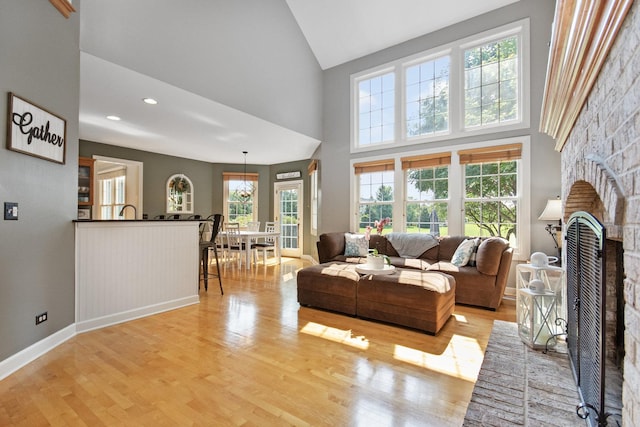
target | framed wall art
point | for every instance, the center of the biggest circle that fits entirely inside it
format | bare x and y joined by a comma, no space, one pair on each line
35,131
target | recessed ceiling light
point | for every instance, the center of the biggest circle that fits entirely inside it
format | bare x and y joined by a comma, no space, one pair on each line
114,118
150,101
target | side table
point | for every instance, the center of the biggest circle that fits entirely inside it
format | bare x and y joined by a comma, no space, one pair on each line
538,311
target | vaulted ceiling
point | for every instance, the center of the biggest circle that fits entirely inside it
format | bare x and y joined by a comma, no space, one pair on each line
193,124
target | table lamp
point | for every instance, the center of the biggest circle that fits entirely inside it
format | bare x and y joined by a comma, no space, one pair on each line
553,212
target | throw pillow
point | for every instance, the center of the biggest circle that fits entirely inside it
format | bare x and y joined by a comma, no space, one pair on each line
474,253
463,253
355,245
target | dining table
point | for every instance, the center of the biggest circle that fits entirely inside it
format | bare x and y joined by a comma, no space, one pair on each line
252,236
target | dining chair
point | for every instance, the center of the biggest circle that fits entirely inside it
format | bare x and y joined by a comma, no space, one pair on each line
235,243
253,226
233,246
268,243
208,243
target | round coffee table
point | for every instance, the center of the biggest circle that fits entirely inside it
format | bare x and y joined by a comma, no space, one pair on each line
365,269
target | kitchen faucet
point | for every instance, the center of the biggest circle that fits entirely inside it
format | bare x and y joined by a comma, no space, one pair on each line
135,214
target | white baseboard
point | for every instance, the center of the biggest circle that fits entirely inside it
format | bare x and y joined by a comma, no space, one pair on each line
125,316
309,258
31,353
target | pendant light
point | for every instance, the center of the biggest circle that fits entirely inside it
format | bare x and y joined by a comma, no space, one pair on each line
245,194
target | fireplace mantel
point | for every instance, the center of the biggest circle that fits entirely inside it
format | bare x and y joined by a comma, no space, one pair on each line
583,32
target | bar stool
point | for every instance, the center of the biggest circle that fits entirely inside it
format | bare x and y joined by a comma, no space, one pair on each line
206,246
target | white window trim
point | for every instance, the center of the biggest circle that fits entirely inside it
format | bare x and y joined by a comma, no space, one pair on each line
455,50
355,101
313,183
225,198
186,207
456,190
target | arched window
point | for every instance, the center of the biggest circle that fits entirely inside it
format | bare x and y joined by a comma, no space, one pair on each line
179,194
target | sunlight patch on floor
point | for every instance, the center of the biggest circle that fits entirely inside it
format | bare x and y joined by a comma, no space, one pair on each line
335,335
461,359
288,276
460,318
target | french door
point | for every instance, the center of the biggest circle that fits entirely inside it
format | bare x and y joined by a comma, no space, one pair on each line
288,212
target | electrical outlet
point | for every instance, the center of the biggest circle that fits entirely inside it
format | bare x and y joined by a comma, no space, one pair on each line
41,318
10,210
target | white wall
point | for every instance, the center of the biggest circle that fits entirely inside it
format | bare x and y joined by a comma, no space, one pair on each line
252,55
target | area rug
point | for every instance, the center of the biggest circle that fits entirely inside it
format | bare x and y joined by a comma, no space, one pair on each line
519,386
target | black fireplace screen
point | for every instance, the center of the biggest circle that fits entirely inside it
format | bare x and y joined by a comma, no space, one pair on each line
586,312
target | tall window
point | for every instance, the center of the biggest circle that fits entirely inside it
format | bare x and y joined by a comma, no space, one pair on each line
491,191
376,118
112,196
491,83
375,182
414,100
313,178
240,197
427,97
427,193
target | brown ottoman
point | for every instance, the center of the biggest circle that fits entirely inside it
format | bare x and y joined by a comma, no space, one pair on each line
414,298
331,286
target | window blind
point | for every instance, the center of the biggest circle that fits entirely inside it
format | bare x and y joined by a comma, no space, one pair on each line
239,176
426,161
313,166
491,154
374,166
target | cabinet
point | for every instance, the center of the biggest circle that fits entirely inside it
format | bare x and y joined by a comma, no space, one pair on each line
85,187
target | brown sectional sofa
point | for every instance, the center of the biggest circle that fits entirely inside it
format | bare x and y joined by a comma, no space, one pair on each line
482,285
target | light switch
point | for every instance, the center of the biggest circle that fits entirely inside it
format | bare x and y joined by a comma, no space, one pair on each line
10,210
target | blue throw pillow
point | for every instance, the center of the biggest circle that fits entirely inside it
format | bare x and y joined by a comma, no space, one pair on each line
355,245
463,253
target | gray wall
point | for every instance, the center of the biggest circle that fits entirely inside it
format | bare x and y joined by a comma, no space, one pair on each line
207,181
40,62
334,154
206,178
252,55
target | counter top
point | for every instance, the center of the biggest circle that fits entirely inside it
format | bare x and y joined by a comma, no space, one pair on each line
140,220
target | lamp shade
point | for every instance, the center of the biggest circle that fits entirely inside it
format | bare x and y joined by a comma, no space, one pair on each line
552,212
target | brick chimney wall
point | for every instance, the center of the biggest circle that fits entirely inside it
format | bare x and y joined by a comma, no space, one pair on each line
601,174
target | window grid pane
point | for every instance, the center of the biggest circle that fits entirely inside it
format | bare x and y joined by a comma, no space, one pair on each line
376,198
491,83
426,204
240,209
112,197
376,109
427,97
491,200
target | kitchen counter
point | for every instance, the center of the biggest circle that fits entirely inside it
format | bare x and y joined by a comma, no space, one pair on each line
127,269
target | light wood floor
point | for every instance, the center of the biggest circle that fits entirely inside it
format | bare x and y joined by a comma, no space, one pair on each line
253,357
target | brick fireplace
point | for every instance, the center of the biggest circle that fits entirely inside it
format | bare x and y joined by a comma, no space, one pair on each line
601,175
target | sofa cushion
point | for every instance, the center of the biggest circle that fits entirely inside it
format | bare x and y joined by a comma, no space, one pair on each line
355,245
490,254
448,246
330,246
463,253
